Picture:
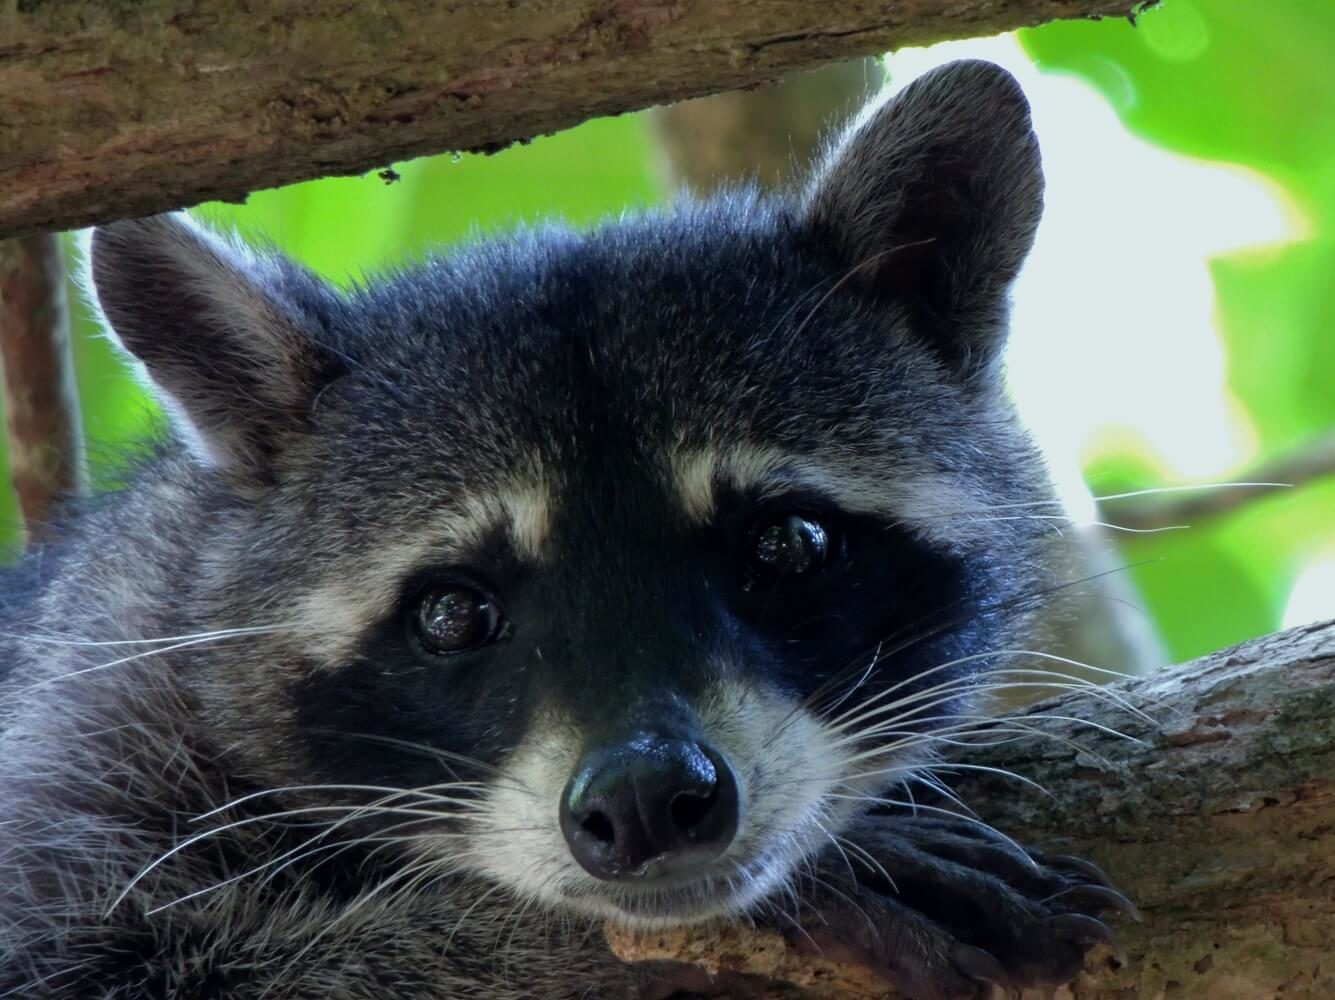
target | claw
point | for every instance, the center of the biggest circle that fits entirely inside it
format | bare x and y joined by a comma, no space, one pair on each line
1101,897
980,965
1086,929
1088,869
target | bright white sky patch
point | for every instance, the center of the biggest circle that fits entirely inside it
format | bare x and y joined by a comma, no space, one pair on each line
1113,335
1313,596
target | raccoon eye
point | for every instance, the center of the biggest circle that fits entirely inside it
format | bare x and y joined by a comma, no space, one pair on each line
453,618
786,546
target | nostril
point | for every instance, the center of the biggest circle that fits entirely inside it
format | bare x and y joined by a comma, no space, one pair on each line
649,807
690,809
600,827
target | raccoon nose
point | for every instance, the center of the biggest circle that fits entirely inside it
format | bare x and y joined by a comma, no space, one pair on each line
649,807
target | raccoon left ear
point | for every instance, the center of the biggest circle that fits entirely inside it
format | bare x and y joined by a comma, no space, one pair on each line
933,199
227,337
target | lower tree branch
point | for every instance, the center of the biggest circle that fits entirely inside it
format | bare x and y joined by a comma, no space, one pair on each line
1214,810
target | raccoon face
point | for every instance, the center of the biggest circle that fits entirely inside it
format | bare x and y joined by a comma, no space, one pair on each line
622,567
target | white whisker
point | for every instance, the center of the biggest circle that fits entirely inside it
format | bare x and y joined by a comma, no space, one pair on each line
186,644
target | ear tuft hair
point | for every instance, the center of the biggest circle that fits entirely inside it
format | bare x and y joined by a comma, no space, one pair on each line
934,197
225,336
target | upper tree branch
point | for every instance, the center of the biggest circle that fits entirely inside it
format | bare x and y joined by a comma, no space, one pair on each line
115,110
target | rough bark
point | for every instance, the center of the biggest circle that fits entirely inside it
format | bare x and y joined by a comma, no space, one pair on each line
123,108
41,401
1219,823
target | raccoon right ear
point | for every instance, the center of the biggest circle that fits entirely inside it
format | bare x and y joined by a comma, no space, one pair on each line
225,336
931,200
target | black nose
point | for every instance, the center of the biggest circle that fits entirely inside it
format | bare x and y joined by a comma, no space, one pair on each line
648,807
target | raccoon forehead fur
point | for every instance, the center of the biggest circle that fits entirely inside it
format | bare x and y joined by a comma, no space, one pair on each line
585,428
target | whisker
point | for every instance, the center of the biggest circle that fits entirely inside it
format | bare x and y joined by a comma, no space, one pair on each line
912,740
303,851
54,640
1190,488
868,860
389,791
970,684
1151,491
350,814
424,749
935,784
878,721
871,665
207,638
920,806
364,899
1065,519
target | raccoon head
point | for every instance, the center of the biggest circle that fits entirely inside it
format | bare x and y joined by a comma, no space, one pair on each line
622,567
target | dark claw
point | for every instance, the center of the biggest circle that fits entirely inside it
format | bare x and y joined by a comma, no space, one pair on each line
1086,929
980,965
1101,897
1088,869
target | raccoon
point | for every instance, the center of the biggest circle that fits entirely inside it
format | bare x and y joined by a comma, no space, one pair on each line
630,574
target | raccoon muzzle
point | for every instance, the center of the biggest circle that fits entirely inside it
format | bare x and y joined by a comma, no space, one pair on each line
650,807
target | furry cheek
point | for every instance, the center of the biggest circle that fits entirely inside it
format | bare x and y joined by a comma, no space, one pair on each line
517,837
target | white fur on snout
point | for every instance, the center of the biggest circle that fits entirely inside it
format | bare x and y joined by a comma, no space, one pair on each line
516,837
786,767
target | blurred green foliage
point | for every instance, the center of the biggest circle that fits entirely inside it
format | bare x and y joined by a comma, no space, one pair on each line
1251,84
1229,79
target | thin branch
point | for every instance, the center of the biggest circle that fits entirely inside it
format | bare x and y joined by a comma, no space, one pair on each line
1308,464
41,401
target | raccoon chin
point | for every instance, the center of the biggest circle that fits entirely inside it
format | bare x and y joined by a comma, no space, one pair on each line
733,889
663,904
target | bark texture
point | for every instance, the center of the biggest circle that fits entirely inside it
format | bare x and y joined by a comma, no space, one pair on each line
41,400
1219,823
117,108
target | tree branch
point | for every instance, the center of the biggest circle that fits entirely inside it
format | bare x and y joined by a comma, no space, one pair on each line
41,401
116,110
1219,823
1309,463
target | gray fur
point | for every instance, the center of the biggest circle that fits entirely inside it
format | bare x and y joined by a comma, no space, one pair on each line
541,396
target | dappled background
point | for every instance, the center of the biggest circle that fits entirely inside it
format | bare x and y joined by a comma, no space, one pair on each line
1174,327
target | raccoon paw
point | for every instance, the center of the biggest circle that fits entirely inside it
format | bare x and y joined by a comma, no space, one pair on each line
942,908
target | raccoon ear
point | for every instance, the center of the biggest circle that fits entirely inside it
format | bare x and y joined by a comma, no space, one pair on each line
933,198
223,334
